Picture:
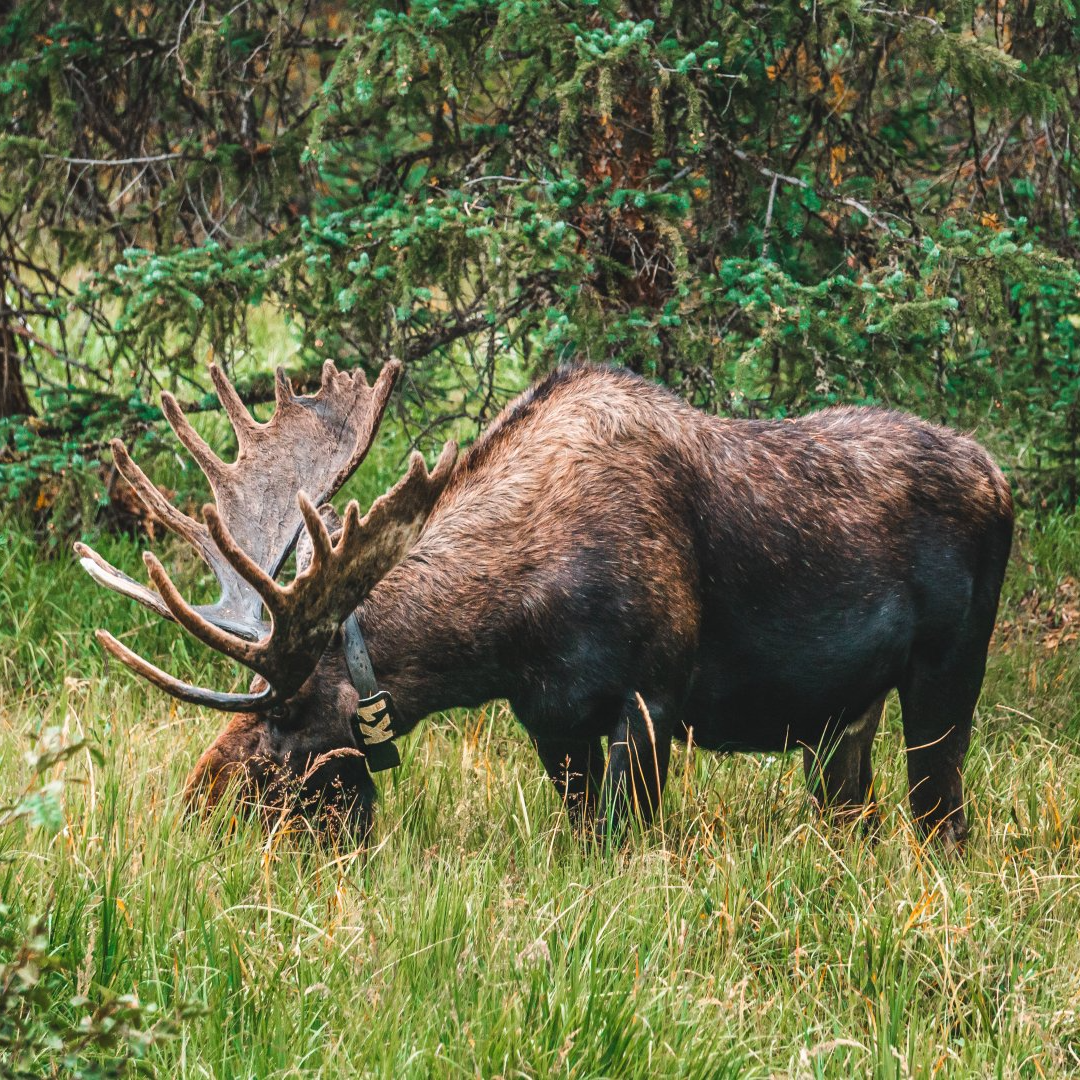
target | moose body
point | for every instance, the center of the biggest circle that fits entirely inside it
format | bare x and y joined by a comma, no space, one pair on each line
619,565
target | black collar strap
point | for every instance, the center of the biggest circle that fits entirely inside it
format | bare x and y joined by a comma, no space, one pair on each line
375,719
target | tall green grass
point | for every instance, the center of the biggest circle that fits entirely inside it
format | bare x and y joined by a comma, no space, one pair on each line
740,936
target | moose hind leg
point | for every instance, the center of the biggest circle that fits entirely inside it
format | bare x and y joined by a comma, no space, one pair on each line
639,749
839,771
576,767
938,702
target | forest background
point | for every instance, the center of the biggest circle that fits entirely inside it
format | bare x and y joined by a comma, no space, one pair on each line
769,207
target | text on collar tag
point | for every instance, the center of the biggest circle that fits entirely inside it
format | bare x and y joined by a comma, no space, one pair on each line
375,731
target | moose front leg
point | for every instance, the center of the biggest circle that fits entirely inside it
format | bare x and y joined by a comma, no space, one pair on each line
639,749
576,766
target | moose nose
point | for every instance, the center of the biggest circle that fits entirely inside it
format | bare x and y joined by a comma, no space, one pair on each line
226,761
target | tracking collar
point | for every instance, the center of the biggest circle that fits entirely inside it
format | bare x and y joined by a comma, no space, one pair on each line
375,719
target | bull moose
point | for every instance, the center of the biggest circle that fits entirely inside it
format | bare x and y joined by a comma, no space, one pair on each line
615,564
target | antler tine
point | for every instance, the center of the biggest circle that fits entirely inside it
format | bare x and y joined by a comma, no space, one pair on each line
104,573
155,502
378,395
194,623
241,562
283,388
241,420
194,695
369,547
230,612
396,517
314,442
321,546
204,457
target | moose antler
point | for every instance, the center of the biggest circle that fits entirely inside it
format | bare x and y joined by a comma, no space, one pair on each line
307,611
316,441
310,444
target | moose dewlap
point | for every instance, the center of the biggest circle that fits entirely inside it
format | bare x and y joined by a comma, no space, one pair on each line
614,563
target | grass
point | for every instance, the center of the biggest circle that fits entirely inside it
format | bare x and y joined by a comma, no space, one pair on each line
476,937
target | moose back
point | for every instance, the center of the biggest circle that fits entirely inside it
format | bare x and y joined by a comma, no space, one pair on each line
616,564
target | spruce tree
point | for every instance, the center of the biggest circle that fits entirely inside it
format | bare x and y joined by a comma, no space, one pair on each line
767,206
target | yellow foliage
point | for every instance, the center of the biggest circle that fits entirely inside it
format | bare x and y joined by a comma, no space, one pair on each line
837,156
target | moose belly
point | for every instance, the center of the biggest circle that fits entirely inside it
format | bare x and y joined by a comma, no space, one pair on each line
779,683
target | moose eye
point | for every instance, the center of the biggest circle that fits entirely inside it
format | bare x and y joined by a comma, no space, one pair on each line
279,715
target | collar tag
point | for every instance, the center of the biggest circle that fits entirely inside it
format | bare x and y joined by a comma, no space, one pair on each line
374,730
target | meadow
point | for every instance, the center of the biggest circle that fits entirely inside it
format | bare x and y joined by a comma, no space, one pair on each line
476,935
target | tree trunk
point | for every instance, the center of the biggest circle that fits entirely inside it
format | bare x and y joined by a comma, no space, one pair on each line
14,400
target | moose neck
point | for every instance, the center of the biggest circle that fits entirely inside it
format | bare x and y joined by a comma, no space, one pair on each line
426,649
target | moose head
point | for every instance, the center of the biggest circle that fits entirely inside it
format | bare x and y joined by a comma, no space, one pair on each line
290,744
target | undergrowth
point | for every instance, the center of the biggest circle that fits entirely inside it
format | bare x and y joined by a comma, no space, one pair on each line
476,936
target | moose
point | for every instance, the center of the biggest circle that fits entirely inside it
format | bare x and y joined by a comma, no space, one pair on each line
613,562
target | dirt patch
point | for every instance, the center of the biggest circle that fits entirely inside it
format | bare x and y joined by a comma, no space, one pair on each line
1049,617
